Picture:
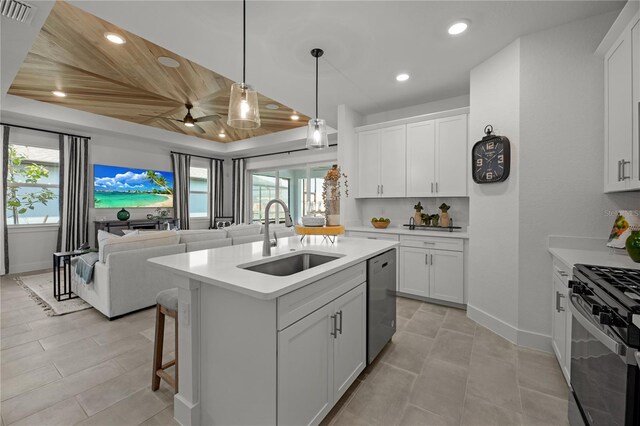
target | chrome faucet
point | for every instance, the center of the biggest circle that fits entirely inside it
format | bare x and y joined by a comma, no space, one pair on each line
266,247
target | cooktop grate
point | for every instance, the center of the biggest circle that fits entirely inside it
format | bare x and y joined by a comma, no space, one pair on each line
626,281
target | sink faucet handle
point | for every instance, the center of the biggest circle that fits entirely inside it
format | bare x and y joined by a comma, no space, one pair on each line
274,242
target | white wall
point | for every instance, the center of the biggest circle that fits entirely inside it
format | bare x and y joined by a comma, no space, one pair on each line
561,172
412,111
348,120
493,226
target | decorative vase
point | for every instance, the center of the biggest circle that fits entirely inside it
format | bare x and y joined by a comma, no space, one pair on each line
123,215
633,245
444,220
417,217
332,207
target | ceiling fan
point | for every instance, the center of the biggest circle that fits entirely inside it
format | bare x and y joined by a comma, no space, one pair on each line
188,119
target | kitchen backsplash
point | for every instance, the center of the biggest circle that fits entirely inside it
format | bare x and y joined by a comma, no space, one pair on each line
399,210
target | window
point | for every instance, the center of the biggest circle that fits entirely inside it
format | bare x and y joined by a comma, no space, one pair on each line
198,192
33,178
300,188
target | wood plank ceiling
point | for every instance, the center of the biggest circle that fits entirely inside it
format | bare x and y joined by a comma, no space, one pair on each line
71,54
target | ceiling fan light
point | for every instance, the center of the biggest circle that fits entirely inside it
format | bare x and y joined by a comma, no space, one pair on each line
243,107
317,134
188,124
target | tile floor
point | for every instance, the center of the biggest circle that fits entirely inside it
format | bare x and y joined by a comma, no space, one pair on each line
440,369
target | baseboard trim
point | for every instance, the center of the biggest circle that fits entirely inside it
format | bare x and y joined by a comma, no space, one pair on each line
184,412
516,336
29,267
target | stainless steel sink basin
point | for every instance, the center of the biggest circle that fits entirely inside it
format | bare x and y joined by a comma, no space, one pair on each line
289,265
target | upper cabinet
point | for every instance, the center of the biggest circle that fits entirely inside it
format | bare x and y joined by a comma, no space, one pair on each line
622,97
418,159
381,163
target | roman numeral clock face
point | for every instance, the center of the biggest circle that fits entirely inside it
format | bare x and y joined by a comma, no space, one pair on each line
491,160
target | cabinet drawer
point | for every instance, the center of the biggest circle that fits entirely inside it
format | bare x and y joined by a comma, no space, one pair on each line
300,303
437,243
562,271
372,235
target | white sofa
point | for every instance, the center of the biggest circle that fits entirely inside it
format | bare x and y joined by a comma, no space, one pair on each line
123,280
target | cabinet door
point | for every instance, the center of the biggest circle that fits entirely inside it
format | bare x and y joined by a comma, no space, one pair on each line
421,148
414,271
349,346
451,156
635,44
369,164
618,115
305,366
446,278
393,162
559,323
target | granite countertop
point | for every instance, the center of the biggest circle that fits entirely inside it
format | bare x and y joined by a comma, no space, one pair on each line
404,230
219,266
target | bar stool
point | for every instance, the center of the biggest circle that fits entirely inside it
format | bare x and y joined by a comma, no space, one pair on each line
167,305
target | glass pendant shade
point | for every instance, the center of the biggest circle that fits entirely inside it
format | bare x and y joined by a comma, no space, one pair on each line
317,134
243,107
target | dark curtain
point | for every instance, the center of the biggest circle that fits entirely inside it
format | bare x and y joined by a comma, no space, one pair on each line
239,186
216,190
181,166
74,193
4,268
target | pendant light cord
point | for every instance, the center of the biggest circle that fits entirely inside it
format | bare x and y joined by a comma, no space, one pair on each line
316,87
244,41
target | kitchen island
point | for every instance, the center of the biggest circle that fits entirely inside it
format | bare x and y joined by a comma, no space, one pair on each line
256,348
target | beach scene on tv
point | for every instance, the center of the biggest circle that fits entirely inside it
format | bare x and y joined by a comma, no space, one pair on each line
123,187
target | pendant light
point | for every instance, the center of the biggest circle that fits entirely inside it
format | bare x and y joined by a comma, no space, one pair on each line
317,129
243,103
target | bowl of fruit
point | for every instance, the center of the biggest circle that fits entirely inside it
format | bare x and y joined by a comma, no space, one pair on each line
380,222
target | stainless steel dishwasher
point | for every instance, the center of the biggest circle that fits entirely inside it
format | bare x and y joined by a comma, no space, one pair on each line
381,302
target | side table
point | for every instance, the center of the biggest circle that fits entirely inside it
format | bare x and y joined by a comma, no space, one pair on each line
63,259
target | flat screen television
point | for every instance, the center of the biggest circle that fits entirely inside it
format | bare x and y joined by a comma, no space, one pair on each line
123,187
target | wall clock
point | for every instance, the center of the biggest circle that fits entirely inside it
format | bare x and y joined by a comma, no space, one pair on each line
491,158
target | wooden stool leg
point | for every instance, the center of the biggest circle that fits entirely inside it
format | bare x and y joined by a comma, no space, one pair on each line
157,349
175,320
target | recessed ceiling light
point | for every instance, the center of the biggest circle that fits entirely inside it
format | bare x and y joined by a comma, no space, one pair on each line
272,106
402,77
59,94
115,38
168,62
458,27
295,117
221,135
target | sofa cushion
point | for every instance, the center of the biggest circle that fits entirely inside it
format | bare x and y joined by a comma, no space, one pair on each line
193,236
243,230
208,244
247,239
136,242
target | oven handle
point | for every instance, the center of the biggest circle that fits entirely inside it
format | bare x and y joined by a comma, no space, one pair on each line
593,328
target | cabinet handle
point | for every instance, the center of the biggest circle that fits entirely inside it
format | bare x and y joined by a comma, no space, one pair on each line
334,333
436,186
431,186
624,176
619,170
558,297
431,259
426,259
381,189
339,329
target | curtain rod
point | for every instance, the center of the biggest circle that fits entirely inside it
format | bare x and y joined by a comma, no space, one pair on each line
199,156
43,130
276,153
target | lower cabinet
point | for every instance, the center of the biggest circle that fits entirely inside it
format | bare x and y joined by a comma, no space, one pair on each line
437,274
319,357
561,320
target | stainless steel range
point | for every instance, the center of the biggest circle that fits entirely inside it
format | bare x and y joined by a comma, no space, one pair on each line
605,341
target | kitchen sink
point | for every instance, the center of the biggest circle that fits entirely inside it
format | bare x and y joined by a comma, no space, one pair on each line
291,264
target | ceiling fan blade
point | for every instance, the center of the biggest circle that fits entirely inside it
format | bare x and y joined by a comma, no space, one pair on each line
212,117
198,129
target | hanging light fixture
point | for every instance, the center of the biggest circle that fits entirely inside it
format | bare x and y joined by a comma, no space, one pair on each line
243,103
317,129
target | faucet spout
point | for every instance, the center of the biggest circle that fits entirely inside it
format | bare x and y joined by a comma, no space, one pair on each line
267,244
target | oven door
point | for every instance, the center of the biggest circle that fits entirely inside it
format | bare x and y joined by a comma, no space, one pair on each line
600,367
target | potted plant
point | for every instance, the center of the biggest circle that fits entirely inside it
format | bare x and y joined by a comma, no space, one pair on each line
417,217
425,219
444,217
331,194
434,219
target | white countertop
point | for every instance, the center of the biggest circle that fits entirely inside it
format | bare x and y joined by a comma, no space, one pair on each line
404,230
219,266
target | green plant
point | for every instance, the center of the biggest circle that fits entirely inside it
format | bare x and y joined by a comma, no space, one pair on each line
29,173
418,207
157,179
445,208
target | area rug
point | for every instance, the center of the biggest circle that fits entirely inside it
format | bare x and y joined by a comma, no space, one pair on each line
40,289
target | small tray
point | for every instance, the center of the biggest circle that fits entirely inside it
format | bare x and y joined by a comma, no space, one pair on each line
429,227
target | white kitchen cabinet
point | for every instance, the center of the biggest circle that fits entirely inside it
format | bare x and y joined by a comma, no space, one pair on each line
382,162
432,273
437,157
319,357
561,320
622,94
